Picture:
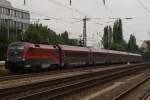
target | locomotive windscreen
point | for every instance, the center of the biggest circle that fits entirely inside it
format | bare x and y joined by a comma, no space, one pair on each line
16,46
15,52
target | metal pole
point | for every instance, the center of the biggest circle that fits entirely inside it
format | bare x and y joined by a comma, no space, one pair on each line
84,31
7,29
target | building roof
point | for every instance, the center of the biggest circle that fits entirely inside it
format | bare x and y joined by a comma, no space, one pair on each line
5,3
145,44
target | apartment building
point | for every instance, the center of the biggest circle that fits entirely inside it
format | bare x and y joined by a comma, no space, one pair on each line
13,21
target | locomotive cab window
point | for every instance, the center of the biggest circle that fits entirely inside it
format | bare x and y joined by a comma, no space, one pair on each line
30,49
16,46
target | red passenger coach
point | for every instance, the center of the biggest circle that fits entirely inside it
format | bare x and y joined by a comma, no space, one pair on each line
74,55
99,56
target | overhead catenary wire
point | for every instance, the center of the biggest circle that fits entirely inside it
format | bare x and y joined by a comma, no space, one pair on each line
62,19
48,17
70,8
144,7
77,11
82,13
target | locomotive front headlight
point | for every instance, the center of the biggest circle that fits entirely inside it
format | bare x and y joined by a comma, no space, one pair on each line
23,59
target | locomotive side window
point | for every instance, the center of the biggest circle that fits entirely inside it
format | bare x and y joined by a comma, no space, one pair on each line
101,54
30,50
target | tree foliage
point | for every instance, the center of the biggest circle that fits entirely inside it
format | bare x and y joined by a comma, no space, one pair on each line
132,47
118,41
37,33
107,38
64,38
113,39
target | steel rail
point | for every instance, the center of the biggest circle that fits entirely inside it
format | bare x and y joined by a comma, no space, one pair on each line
145,96
42,73
81,83
123,94
20,76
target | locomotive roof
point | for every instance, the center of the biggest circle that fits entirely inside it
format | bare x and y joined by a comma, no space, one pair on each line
44,46
35,45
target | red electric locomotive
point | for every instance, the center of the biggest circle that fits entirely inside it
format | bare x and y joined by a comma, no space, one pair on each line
23,55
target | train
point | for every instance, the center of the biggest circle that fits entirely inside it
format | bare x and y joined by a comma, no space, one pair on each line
31,56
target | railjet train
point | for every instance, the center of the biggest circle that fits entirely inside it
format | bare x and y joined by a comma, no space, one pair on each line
24,56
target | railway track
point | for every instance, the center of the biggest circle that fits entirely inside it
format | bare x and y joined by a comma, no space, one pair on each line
20,76
125,93
52,89
146,96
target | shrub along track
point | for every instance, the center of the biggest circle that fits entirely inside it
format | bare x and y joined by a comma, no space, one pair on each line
55,87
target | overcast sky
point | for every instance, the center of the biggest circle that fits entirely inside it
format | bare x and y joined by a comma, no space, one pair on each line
65,17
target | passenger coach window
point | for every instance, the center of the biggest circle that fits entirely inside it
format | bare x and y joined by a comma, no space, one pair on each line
77,54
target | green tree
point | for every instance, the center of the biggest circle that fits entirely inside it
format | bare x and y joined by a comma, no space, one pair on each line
132,47
64,38
53,37
146,55
117,31
118,41
36,33
107,37
110,37
73,42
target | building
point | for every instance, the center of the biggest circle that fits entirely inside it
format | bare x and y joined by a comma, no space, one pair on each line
13,21
146,45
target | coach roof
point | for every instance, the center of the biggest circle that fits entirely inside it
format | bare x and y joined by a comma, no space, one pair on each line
74,48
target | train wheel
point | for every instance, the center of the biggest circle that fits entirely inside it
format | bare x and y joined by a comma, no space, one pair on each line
12,70
39,68
34,69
